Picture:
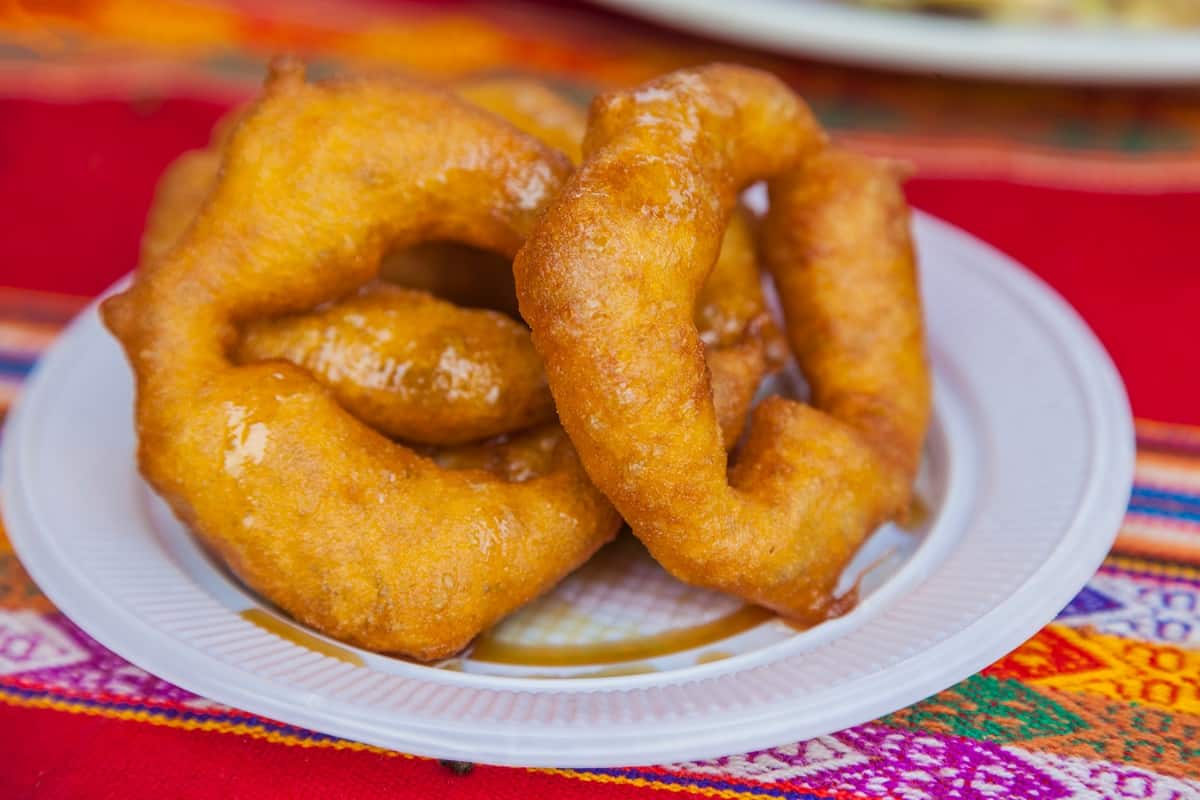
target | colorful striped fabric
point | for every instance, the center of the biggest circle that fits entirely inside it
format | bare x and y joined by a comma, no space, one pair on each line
1164,512
1096,139
1103,703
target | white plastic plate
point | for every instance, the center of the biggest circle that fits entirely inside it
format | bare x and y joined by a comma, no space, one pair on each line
927,42
1027,473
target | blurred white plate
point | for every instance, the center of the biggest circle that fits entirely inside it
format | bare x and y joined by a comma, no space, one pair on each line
926,42
1027,473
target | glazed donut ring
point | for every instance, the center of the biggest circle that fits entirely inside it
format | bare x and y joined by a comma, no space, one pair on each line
608,282
351,533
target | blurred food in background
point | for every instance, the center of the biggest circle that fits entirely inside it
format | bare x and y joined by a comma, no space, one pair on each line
1133,13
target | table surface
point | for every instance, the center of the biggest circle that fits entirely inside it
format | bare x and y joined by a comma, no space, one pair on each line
1098,191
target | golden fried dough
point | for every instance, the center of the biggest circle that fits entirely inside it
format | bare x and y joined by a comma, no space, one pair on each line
741,342
353,534
533,107
837,241
413,366
455,271
514,458
608,282
178,197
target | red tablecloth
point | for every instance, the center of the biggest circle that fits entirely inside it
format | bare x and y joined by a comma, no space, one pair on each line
1097,192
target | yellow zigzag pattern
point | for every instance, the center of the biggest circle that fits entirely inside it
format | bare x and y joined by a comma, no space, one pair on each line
1086,661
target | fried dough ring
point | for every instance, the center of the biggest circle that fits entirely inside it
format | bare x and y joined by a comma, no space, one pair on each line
413,366
410,365
838,244
476,396
608,282
353,534
741,340
453,270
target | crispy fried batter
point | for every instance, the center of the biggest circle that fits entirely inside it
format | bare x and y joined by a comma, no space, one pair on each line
455,271
355,535
533,107
837,241
608,282
178,197
741,342
413,366
515,458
